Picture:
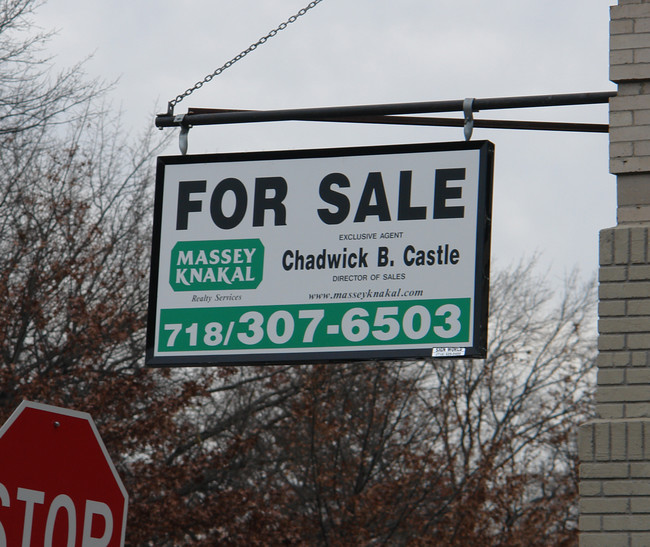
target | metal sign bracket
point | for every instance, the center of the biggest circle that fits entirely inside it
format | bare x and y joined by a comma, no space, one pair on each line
183,135
468,110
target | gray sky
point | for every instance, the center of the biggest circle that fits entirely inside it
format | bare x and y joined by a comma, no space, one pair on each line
552,191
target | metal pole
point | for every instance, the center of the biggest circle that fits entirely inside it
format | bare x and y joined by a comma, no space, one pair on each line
336,113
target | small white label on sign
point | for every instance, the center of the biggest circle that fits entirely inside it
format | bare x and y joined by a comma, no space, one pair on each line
447,352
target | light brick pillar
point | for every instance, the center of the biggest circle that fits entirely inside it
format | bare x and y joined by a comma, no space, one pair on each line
615,449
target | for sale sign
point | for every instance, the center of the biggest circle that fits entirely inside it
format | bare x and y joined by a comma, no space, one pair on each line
313,255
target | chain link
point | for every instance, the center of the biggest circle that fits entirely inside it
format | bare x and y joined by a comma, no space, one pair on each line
239,57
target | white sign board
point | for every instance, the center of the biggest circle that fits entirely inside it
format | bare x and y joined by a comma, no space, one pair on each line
313,255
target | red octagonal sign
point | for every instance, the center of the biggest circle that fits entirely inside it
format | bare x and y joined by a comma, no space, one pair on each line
58,486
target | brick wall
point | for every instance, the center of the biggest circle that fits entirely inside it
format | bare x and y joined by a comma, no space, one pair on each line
629,42
624,323
615,483
614,450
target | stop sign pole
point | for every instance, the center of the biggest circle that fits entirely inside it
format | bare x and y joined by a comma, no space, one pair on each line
58,486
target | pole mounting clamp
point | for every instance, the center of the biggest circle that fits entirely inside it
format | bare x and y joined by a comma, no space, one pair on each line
468,110
183,135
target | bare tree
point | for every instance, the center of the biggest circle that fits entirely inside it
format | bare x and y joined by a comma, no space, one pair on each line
509,423
75,221
31,94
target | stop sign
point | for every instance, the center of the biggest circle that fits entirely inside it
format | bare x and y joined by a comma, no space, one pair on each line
58,486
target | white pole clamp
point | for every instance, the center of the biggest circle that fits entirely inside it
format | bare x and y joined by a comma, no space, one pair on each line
468,110
182,137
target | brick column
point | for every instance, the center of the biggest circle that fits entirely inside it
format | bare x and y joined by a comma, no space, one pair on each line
614,450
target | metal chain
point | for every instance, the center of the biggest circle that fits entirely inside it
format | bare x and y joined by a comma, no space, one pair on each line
239,57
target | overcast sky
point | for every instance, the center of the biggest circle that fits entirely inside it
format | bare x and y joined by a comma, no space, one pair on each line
552,191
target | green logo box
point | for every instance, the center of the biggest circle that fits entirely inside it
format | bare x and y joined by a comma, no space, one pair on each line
233,264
